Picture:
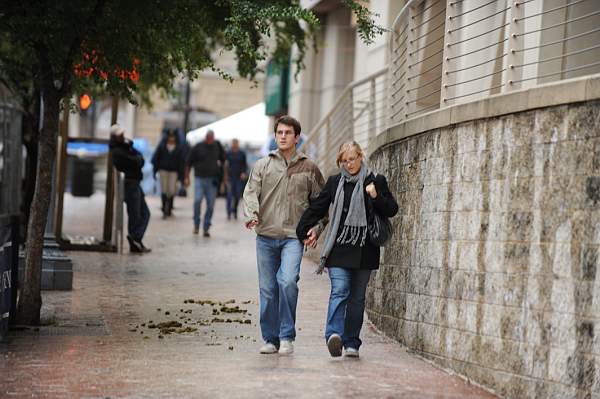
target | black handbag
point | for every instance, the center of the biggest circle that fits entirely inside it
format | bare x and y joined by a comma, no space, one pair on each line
379,227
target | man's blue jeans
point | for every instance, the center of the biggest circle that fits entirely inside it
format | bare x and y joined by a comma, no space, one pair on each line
234,192
138,214
347,304
204,187
278,274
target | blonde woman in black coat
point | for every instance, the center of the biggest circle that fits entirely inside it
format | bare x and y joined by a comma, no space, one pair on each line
348,254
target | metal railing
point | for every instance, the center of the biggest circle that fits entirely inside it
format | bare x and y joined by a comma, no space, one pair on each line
447,52
360,113
416,55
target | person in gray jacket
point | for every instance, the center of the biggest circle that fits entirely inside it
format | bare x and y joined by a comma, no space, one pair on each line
278,191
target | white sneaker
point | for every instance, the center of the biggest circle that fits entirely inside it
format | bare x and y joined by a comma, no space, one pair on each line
286,348
268,348
351,352
334,344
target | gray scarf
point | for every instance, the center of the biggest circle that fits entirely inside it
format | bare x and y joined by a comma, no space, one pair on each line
355,225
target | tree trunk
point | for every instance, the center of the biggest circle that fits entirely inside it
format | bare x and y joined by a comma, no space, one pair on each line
30,298
30,141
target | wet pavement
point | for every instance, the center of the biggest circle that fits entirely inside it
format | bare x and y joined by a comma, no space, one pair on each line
104,338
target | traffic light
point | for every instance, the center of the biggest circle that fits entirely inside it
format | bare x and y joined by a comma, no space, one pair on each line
84,102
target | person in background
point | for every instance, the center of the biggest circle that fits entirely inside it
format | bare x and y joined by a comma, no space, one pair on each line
235,172
130,161
353,195
207,158
168,161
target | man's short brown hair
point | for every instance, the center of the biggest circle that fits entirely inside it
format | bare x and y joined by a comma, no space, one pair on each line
289,121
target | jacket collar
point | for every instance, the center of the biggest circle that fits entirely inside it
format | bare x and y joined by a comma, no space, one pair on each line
298,155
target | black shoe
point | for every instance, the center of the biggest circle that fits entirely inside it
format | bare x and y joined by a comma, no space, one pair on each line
145,249
163,201
169,206
206,233
135,246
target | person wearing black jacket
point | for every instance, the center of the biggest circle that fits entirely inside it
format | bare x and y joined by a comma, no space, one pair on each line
236,173
130,161
168,160
353,195
207,158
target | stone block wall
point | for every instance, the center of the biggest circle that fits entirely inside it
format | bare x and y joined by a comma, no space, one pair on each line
493,269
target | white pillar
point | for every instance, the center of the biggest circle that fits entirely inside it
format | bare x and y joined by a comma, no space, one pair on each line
338,57
303,100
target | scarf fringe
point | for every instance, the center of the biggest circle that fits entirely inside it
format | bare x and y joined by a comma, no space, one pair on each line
352,234
355,228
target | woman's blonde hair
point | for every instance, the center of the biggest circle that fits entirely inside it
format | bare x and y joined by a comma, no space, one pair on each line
348,145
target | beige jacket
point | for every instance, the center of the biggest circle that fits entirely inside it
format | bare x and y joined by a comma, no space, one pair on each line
277,193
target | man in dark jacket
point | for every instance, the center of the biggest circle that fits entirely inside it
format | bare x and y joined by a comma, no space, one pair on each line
130,161
168,161
236,169
207,159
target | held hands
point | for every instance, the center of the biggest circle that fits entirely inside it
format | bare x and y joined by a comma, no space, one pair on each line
251,224
371,190
311,238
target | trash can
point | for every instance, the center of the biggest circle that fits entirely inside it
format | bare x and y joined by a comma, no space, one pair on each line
82,177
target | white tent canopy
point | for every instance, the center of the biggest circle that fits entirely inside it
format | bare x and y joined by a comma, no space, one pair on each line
250,127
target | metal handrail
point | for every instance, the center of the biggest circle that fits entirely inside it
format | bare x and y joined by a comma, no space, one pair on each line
460,65
340,99
464,66
358,114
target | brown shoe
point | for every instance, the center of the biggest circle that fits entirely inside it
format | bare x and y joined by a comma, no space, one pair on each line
196,230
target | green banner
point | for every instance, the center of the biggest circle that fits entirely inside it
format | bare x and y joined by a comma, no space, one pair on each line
276,89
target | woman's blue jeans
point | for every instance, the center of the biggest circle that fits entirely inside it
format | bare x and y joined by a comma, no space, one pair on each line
347,304
278,274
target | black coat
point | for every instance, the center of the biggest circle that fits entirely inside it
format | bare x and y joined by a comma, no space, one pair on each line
349,256
171,161
207,159
127,159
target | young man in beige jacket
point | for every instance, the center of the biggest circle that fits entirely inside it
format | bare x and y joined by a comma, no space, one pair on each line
278,191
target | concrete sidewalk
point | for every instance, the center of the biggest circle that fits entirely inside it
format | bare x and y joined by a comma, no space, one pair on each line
97,341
